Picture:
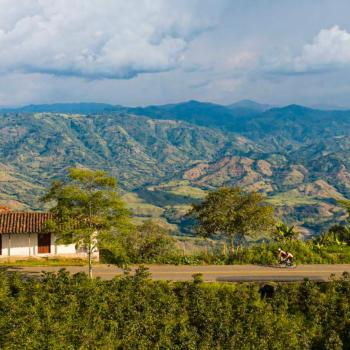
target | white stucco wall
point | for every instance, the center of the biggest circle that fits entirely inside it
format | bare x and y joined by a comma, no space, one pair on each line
61,248
27,245
19,244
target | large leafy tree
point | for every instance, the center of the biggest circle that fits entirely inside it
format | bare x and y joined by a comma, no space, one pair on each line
87,210
234,214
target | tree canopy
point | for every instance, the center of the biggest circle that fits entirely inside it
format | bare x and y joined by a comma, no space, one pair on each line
59,311
233,213
86,206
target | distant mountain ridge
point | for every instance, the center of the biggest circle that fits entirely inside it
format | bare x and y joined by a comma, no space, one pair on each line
238,117
95,107
69,108
251,105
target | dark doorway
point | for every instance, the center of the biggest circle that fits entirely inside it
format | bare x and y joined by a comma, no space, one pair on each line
44,243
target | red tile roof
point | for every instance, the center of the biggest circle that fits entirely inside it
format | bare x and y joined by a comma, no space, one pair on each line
4,209
16,222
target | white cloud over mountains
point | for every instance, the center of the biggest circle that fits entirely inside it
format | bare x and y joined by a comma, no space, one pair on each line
214,50
329,50
330,47
98,38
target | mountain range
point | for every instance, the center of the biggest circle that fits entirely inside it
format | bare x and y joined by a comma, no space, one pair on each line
166,157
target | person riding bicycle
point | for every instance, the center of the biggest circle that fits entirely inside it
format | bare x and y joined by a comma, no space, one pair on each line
285,257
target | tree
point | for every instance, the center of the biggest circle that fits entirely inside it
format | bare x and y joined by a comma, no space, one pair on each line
284,233
336,235
233,213
86,208
153,241
148,242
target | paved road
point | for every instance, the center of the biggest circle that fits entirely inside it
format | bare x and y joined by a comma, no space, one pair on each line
228,273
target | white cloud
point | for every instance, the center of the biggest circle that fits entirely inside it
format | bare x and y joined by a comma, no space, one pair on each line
330,47
328,51
98,38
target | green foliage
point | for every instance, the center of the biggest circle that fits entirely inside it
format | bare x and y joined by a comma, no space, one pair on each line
346,205
133,312
146,243
139,151
337,235
304,253
342,233
232,213
86,209
284,233
266,253
44,261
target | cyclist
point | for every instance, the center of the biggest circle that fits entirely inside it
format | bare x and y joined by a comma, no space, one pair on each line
285,257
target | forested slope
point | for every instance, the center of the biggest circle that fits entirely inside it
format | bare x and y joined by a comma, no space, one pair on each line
298,156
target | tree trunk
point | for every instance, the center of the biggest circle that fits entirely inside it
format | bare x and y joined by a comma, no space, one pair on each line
90,261
224,248
90,243
232,248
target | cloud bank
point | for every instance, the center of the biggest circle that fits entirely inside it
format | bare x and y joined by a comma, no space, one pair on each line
330,48
328,51
211,50
98,38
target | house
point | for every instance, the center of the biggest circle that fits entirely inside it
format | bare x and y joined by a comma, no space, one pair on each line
22,234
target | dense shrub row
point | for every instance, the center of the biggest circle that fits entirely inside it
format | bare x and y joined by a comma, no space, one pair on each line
264,253
133,312
304,253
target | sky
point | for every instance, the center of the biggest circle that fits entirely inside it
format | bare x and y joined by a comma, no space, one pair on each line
143,52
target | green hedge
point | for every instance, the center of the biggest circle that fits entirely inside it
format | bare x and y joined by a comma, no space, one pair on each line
263,254
132,312
304,253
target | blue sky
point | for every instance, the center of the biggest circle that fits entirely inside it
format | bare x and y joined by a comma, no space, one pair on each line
141,52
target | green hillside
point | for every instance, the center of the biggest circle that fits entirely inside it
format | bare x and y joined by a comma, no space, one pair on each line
298,156
37,148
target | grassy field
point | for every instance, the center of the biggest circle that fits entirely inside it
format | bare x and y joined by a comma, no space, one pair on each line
291,199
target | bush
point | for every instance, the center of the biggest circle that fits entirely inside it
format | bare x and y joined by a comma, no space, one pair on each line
266,254
133,312
304,253
336,235
153,247
148,243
